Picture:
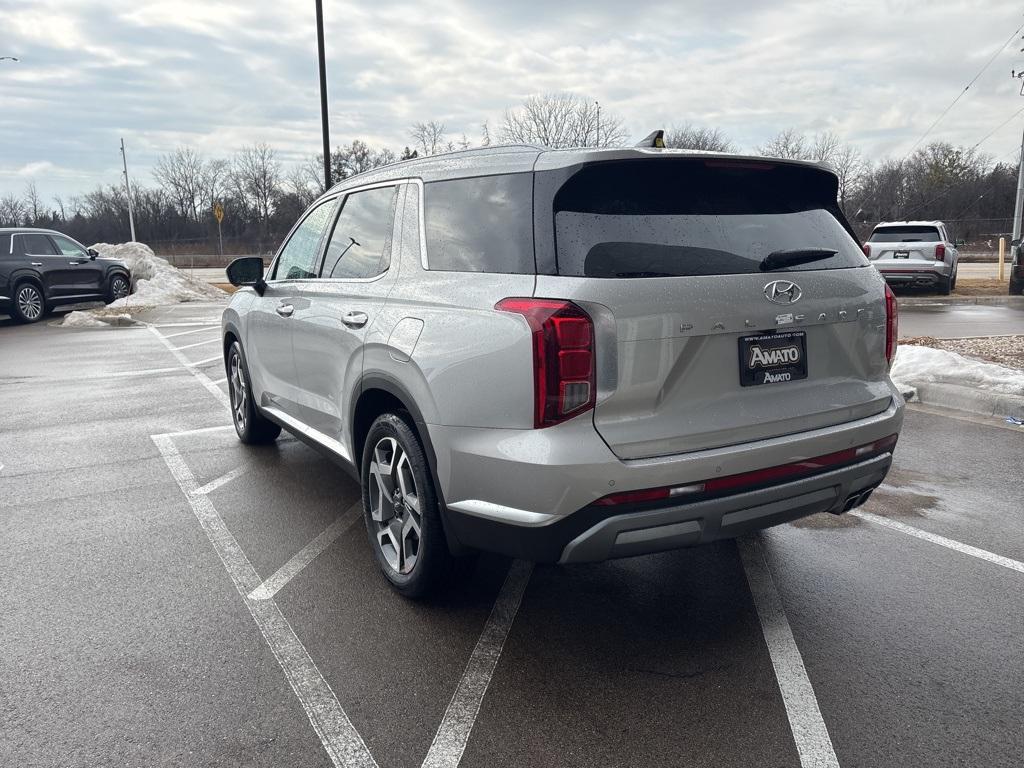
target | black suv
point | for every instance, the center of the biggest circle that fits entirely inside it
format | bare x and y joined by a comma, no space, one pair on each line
41,269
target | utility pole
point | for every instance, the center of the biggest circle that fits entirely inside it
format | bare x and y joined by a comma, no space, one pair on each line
323,92
128,189
1018,208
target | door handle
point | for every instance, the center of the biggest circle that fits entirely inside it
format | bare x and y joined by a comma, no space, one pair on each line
285,310
355,319
37,263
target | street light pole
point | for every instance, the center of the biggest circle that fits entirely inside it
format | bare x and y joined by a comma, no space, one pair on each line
323,92
1018,207
128,189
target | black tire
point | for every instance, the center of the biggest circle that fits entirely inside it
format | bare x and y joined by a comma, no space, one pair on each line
945,286
952,282
252,427
118,287
28,303
421,560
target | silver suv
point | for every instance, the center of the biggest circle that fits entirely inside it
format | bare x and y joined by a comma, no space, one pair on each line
918,253
567,356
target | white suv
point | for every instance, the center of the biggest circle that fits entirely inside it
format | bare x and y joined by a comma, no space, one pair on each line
914,253
568,356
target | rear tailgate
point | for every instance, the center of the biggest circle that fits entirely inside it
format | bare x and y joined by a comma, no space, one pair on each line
697,347
904,247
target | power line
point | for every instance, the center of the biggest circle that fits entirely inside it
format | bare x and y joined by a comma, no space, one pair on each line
994,130
966,88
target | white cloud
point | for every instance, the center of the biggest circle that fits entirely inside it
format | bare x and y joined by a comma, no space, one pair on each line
217,75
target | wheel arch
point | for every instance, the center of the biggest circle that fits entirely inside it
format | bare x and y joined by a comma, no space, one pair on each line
379,393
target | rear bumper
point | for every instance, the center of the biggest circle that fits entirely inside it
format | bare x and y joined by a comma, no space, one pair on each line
926,275
595,533
531,493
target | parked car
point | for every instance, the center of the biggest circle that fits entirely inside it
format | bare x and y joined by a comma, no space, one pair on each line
914,253
41,269
567,356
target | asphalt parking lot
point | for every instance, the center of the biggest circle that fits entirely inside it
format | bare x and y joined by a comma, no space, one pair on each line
171,597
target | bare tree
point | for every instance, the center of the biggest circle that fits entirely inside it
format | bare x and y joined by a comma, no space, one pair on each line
180,173
255,178
693,137
32,201
213,182
789,144
60,207
561,120
851,168
12,210
429,137
824,147
485,135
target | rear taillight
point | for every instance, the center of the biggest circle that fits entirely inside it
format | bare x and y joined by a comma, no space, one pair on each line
867,250
891,325
563,357
940,252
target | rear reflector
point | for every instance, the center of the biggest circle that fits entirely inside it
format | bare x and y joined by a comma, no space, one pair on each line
718,486
892,323
867,250
564,379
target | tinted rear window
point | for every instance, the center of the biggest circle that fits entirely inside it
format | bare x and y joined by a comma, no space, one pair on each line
905,235
483,224
671,218
5,246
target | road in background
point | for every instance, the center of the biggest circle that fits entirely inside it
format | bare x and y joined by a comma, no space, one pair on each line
950,321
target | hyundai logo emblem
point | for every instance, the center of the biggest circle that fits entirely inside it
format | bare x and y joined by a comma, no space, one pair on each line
782,292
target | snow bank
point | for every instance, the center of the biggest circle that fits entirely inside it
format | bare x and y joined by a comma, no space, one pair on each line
85,319
924,365
155,281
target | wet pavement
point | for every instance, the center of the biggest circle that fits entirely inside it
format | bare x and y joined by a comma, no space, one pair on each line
172,597
950,321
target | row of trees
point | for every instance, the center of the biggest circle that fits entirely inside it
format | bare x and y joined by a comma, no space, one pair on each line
262,198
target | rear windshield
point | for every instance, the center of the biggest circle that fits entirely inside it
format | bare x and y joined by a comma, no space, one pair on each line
675,218
905,235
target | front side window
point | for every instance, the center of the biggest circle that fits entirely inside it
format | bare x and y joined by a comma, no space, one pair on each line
69,247
298,257
360,245
482,224
37,245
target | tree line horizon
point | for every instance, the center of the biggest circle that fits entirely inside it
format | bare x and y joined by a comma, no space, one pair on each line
968,189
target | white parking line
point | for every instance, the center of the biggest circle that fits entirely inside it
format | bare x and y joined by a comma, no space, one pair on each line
813,744
125,374
942,541
453,734
213,359
212,388
185,333
190,324
201,343
200,431
307,554
224,479
339,737
220,381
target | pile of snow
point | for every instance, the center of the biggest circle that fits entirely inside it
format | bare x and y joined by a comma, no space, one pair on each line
80,319
155,281
924,365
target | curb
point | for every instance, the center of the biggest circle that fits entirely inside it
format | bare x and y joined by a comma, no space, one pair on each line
924,301
977,401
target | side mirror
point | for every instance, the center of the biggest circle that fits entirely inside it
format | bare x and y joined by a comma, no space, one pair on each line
1015,243
93,253
247,271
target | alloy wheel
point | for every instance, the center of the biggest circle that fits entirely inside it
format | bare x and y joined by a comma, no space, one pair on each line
395,505
239,391
119,289
30,302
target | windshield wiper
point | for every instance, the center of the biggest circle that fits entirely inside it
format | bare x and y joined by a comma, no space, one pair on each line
790,258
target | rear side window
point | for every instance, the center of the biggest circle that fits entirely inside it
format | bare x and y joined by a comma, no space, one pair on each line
360,245
5,246
483,224
678,218
37,245
907,234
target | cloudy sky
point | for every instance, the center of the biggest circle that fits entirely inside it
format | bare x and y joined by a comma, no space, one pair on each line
217,74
